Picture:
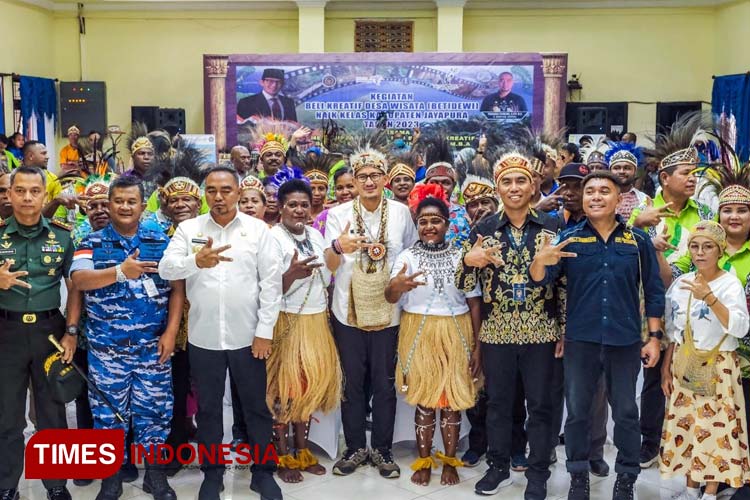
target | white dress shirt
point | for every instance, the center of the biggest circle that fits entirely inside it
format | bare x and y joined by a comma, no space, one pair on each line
400,233
235,301
706,328
294,298
269,99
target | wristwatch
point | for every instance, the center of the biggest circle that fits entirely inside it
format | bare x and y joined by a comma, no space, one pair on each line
121,278
71,330
658,334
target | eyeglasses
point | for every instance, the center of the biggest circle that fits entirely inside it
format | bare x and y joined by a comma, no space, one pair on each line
375,177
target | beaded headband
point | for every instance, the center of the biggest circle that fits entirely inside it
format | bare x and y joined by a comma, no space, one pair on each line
514,162
596,158
96,191
181,186
711,230
623,156
141,143
368,158
687,156
477,188
734,194
252,182
317,176
401,169
442,169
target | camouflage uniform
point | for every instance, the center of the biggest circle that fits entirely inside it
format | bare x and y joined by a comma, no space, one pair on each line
123,329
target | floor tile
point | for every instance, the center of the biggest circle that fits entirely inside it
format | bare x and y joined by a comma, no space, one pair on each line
357,485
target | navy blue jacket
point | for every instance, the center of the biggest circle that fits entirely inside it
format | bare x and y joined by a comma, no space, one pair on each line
603,303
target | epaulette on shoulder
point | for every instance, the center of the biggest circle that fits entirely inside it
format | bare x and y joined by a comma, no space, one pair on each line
61,224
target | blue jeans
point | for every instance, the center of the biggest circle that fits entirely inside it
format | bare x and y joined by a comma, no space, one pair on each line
584,363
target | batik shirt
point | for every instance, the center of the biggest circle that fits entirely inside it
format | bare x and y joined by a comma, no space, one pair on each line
514,310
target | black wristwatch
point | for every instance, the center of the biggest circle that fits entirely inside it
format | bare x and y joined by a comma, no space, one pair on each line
71,330
658,334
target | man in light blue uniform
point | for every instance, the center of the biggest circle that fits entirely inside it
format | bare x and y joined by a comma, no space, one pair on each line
133,318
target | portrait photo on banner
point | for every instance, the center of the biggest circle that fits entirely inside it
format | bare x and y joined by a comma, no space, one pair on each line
397,91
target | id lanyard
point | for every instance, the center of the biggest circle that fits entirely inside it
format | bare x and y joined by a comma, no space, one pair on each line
519,280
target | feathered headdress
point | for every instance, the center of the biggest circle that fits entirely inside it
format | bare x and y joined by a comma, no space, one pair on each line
368,157
286,174
729,178
401,164
422,191
180,173
550,142
271,135
594,155
477,183
518,151
624,152
138,138
94,187
438,156
317,167
162,143
677,146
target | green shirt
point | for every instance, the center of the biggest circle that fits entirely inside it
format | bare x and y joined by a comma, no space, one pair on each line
678,226
739,262
45,251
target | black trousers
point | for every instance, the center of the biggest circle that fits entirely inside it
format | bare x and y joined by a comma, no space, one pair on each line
208,370
364,353
178,433
599,417
84,418
23,349
652,406
584,364
477,416
239,429
502,363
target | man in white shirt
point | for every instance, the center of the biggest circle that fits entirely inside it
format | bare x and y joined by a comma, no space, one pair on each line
232,268
364,237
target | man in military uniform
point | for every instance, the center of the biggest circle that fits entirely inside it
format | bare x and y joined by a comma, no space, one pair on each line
35,253
133,318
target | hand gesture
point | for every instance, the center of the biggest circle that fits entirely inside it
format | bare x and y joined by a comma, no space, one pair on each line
9,279
402,283
699,286
662,241
550,203
550,255
261,348
166,347
560,348
134,269
69,201
350,243
652,216
300,269
208,256
481,257
300,133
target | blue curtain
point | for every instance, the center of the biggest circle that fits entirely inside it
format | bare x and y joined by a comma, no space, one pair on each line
38,96
2,106
732,94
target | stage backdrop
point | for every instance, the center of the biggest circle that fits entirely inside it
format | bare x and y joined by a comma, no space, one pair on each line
363,91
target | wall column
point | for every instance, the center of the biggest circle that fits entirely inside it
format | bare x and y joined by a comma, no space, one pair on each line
450,25
312,24
555,71
216,69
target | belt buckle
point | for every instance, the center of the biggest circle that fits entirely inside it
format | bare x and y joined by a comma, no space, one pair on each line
29,318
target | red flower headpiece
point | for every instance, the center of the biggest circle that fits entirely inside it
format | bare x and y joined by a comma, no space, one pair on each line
422,191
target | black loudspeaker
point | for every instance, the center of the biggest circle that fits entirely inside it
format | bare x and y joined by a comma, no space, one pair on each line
595,117
148,115
668,112
172,120
83,104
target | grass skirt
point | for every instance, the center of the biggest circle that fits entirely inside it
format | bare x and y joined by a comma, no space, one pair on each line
304,372
438,375
707,436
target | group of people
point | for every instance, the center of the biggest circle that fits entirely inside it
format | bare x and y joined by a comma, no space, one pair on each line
510,281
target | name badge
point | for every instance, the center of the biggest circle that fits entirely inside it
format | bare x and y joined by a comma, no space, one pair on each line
150,286
519,289
198,243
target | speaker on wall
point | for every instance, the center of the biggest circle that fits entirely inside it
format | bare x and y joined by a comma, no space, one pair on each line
595,117
172,120
83,104
148,115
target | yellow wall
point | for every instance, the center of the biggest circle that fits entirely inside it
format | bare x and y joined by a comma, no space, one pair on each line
733,36
340,27
643,55
24,28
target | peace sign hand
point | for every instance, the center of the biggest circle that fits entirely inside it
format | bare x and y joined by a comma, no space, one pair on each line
300,269
402,283
662,241
133,268
9,279
208,256
699,287
550,255
480,257
652,216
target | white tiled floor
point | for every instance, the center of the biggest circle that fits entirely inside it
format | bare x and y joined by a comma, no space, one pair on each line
365,484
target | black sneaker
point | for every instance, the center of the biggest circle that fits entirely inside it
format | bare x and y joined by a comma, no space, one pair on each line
210,489
264,485
624,486
82,482
648,456
351,460
383,460
536,489
10,494
493,480
128,472
111,488
155,483
58,493
579,486
599,468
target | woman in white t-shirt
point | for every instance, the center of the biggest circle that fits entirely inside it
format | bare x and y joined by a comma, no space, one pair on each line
304,372
436,336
